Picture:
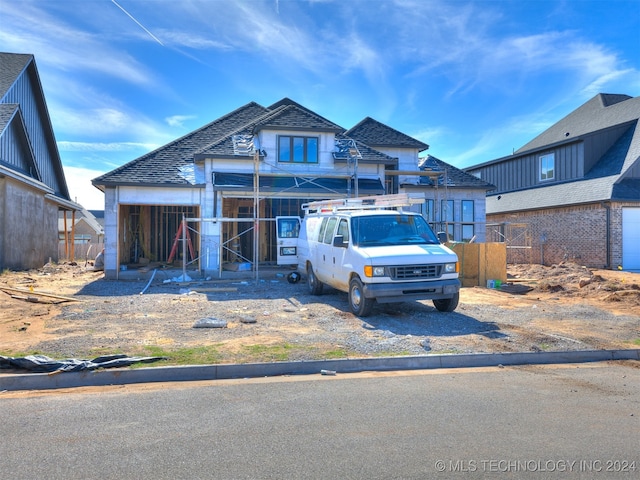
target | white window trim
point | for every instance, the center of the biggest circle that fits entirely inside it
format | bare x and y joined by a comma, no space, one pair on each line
544,159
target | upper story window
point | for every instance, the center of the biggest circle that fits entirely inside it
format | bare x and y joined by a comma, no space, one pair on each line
297,149
547,167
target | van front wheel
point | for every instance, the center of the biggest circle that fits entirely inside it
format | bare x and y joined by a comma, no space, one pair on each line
359,304
447,304
315,285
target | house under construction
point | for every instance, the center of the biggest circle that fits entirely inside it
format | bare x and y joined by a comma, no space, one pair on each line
228,181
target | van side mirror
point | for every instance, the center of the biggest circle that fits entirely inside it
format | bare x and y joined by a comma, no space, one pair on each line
338,241
443,237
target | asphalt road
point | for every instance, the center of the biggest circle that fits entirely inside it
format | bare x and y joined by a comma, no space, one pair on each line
569,421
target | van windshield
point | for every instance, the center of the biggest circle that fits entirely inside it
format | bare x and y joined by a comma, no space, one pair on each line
401,229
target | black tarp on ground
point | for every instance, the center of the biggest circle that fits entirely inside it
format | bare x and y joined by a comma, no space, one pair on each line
43,364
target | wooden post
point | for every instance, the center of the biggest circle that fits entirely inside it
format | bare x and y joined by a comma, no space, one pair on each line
73,235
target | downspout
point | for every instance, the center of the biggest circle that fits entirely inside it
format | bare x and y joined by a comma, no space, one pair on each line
607,207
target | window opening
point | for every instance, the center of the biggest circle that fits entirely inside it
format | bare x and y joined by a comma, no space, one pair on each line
468,215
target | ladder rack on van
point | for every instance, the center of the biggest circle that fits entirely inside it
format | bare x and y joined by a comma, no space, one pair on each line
398,200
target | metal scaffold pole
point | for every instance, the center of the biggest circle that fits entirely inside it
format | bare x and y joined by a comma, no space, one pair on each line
256,214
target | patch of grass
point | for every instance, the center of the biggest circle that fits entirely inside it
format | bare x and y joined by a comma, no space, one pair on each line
98,352
18,354
333,354
544,346
392,354
446,351
204,355
269,353
636,341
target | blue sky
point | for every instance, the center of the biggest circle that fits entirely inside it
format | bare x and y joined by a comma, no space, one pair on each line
474,80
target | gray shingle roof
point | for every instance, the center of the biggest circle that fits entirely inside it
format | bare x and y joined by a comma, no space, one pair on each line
376,134
606,181
11,66
7,111
170,164
454,176
286,116
602,111
369,155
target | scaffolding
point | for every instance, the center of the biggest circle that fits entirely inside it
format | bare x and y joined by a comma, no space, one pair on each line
246,145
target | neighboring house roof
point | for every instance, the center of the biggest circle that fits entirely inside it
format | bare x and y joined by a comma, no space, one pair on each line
443,173
608,179
601,112
37,158
83,216
376,134
13,64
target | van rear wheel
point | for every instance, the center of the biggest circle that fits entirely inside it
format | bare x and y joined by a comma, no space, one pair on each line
359,304
315,285
447,304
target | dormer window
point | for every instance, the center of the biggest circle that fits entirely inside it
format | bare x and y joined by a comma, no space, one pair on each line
297,149
547,167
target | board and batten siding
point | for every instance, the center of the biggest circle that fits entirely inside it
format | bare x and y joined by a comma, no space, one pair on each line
523,171
34,113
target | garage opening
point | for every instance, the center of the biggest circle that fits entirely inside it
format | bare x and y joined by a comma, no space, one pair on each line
148,233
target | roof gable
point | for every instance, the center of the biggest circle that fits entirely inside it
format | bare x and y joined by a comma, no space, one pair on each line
20,86
290,117
601,112
287,101
378,134
295,117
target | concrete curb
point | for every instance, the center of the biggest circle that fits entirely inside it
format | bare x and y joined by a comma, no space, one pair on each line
43,381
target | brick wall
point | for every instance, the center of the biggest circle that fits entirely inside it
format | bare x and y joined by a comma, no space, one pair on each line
577,234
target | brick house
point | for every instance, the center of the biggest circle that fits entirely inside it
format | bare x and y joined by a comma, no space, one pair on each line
573,192
231,179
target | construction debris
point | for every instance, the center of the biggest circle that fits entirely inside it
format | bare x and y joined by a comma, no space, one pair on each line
210,323
44,364
42,294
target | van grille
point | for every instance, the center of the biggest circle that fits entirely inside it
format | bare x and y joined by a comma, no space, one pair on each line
415,272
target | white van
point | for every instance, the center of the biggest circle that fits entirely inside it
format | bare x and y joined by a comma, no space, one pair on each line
373,250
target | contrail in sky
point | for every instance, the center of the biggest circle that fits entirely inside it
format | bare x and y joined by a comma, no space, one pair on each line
139,24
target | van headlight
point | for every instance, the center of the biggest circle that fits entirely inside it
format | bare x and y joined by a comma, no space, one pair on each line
371,271
451,267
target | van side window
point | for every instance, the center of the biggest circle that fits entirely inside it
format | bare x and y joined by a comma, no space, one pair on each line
331,226
323,227
343,229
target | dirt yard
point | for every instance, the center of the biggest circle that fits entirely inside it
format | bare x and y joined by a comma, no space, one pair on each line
71,311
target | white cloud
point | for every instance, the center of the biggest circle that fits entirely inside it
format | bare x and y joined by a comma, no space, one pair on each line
178,120
58,45
80,188
77,125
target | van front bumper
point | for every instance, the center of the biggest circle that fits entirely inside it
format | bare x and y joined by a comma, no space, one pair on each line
401,292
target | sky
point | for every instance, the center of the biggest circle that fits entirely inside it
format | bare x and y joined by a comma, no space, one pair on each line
475,80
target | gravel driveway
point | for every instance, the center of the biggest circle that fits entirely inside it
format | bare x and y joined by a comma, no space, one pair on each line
273,314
